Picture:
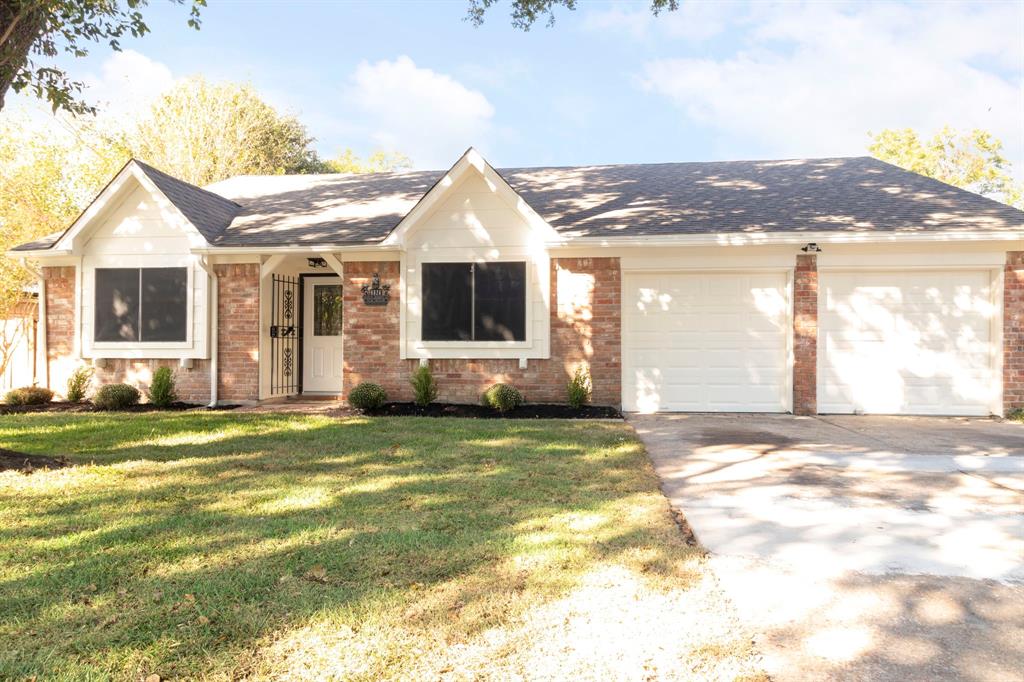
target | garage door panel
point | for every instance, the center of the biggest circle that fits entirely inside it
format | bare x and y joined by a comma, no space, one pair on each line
705,342
913,343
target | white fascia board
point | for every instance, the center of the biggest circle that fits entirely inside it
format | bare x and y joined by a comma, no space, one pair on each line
294,249
761,239
39,253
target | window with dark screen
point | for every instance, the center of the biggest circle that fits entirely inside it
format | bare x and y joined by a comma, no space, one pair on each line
474,301
141,304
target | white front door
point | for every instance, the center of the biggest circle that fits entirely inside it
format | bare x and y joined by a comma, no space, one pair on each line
321,339
705,342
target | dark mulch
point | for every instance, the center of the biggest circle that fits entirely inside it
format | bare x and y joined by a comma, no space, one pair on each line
529,411
89,407
11,460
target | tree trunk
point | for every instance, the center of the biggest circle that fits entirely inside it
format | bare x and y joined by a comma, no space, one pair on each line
21,23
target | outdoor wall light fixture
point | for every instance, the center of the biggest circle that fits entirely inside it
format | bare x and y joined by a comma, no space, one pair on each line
811,248
316,262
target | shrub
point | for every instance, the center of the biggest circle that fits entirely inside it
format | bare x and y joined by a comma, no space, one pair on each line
424,387
161,390
579,388
367,396
1016,416
78,384
116,397
29,395
502,397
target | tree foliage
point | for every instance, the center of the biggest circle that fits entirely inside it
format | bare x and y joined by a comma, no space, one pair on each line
525,13
45,28
203,132
377,162
972,160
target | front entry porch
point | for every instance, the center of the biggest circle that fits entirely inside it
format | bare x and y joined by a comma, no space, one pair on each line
301,303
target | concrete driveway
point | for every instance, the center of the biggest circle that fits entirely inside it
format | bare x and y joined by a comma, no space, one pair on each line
859,547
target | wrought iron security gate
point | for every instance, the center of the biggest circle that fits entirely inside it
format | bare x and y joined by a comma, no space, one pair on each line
285,336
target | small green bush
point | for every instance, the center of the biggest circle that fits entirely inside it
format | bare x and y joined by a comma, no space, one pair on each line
78,384
579,388
116,397
424,386
502,397
367,396
1016,416
161,389
29,395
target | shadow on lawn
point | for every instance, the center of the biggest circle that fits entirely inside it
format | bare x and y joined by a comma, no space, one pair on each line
307,516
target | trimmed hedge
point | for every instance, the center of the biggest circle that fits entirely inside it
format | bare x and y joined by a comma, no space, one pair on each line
367,396
116,397
502,397
29,395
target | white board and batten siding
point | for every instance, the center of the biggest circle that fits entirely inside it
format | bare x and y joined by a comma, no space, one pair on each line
136,233
908,342
475,224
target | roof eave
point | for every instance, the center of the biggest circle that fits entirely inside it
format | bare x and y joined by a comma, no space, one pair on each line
781,238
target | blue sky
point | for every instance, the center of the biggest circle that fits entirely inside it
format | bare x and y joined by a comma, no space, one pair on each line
608,84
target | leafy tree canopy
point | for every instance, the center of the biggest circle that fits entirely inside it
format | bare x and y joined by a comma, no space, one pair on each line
972,160
526,12
377,162
44,28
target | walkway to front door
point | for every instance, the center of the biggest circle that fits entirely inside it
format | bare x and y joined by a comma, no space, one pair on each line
321,339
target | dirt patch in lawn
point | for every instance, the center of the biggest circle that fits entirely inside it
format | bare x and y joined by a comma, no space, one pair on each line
11,460
529,411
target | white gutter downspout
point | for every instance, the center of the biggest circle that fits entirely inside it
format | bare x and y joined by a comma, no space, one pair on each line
211,317
42,351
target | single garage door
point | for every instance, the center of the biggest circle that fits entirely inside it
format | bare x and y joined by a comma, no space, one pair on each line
906,342
708,342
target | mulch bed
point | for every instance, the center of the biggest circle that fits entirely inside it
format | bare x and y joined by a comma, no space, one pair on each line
529,411
11,460
89,407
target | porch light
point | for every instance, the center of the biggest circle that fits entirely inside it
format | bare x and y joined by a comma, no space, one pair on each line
316,262
811,248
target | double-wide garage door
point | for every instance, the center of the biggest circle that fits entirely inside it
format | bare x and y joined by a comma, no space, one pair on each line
705,342
889,342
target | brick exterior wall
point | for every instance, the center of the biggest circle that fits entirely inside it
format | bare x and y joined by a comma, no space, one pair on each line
805,335
585,329
238,307
238,340
1013,332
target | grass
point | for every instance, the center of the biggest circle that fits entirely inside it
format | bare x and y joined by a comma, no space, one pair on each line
262,546
1016,416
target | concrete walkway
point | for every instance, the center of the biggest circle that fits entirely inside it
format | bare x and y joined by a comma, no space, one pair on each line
859,547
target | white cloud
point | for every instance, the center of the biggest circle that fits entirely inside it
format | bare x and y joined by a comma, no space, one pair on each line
693,21
128,81
814,79
429,116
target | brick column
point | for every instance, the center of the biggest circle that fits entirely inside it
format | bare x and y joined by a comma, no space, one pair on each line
371,334
1013,332
805,335
238,331
60,327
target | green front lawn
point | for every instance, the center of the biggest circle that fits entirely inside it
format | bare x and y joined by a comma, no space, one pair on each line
264,546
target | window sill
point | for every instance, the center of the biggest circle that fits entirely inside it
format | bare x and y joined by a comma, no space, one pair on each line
470,345
141,345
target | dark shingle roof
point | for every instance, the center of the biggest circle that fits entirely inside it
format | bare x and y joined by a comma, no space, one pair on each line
210,213
844,195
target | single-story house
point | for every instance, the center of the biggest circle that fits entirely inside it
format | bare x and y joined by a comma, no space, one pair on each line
833,285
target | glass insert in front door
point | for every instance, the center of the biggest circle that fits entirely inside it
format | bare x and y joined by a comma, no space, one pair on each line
327,306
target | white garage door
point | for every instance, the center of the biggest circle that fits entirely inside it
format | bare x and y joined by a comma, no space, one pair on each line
906,342
705,342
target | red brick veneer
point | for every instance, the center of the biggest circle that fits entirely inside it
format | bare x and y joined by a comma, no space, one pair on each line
1013,332
805,335
585,328
238,337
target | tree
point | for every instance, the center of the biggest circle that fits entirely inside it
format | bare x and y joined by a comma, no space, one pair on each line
526,12
970,160
203,132
48,27
377,162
